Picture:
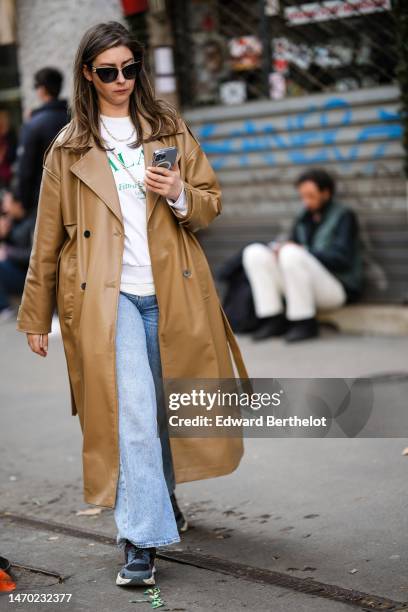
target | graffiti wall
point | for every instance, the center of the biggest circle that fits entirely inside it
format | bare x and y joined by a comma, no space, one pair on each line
258,149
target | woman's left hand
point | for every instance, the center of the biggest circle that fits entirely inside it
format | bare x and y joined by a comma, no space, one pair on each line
166,182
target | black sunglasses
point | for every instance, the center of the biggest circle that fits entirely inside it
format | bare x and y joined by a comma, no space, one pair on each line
109,74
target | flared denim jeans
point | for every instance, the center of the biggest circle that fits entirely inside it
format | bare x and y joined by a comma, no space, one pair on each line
143,510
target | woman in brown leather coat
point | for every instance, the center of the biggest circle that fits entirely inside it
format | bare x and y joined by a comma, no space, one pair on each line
103,210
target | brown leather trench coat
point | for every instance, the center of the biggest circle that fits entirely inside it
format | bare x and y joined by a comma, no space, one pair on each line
76,263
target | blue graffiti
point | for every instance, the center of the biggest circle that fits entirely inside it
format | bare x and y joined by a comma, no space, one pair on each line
299,133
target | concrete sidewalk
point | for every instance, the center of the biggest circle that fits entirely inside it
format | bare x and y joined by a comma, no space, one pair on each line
332,510
87,569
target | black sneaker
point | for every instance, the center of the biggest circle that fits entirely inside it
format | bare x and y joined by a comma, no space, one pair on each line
302,330
275,325
139,568
4,564
181,520
247,327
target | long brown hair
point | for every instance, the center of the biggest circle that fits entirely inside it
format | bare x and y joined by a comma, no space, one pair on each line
160,114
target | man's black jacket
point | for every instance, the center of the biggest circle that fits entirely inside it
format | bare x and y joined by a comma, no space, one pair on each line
20,238
36,134
339,255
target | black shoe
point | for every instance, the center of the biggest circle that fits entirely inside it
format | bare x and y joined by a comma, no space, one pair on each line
247,327
4,564
139,568
181,520
271,326
302,330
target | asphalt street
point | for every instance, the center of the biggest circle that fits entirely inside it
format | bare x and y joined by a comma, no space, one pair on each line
330,511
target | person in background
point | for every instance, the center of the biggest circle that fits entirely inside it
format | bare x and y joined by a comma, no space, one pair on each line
8,147
318,267
37,132
16,235
19,202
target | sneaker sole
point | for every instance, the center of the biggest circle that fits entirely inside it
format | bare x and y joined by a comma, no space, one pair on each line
136,580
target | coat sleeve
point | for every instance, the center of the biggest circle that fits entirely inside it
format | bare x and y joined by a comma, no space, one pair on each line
38,300
202,189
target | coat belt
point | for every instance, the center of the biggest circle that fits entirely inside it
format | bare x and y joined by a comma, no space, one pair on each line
236,352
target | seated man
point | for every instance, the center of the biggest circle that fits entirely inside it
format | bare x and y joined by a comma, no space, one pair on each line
319,267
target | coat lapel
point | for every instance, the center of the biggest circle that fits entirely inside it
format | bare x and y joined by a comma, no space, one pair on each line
94,170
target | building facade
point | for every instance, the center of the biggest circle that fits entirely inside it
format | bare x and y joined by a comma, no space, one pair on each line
269,87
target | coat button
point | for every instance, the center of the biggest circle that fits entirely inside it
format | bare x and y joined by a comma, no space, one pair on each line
187,273
83,285
87,233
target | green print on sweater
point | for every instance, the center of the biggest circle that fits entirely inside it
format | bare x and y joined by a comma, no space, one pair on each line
116,167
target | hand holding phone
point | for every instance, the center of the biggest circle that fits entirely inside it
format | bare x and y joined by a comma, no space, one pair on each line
160,177
165,157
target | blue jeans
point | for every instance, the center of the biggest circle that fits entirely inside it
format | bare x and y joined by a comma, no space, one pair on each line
143,510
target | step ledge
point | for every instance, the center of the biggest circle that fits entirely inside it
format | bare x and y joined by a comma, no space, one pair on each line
375,319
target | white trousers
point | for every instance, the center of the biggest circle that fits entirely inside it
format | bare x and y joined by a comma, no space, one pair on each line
294,273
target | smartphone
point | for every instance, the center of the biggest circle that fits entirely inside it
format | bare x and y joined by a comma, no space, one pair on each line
165,157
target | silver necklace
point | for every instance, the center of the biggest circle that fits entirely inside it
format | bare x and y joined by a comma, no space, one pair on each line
136,180
114,137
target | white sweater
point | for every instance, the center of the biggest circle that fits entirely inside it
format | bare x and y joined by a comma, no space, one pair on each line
136,275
